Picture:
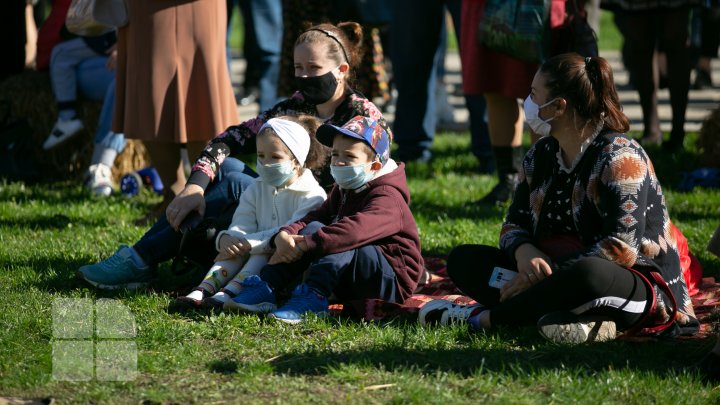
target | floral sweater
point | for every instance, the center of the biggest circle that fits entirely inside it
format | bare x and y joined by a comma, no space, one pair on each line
240,138
616,205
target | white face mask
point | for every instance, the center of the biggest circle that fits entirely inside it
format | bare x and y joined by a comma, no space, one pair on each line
532,116
276,174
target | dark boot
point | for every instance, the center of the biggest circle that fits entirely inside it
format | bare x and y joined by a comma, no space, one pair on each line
509,162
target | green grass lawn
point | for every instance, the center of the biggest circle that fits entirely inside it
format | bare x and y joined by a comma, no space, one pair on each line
47,231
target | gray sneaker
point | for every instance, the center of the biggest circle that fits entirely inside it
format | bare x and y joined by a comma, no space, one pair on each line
565,327
117,271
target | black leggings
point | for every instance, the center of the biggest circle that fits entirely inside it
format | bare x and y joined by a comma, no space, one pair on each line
590,286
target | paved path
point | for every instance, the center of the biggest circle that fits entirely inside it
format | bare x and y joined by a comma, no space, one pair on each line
701,101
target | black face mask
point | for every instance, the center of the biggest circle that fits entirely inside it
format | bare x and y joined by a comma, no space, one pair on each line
317,89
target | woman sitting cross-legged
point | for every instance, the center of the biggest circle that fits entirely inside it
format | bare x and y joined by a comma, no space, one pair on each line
587,226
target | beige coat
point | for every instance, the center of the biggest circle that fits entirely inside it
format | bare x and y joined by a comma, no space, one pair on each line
172,77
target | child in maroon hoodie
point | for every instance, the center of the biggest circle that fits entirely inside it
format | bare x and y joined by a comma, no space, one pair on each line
361,243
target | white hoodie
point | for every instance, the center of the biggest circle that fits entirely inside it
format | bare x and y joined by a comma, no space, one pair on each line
264,209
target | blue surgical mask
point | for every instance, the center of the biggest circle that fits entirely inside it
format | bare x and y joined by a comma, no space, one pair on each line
351,177
276,174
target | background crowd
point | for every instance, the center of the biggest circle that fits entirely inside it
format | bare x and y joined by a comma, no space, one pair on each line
402,68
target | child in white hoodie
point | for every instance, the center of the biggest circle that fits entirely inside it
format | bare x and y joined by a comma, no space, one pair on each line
285,191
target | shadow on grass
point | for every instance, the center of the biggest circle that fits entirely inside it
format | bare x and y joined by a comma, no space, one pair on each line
518,362
51,222
223,366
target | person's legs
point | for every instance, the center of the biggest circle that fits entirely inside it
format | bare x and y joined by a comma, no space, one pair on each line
355,274
107,146
263,42
413,72
93,78
505,126
706,38
162,242
165,158
673,38
472,276
591,286
253,267
220,274
640,37
479,134
64,61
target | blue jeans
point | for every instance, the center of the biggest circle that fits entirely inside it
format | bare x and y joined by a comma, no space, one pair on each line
351,275
162,242
103,136
262,44
76,67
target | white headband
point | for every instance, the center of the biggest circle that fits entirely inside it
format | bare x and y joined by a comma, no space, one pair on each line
293,135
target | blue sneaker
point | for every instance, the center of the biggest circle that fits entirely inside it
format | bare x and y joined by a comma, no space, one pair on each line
304,299
254,296
117,271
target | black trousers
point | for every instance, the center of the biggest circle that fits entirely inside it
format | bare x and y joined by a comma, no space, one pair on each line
591,286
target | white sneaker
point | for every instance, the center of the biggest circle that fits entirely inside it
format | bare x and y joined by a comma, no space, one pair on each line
100,180
565,327
62,131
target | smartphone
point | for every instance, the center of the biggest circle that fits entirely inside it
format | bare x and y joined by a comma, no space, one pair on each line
501,276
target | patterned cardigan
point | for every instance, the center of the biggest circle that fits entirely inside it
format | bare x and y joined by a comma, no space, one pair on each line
618,210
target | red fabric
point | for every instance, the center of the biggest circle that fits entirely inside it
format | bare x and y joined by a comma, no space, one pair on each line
49,33
486,71
691,268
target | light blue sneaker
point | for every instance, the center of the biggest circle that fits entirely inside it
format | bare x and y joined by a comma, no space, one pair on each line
254,296
303,300
117,271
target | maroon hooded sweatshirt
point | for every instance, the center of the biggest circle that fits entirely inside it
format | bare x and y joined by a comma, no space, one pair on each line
375,214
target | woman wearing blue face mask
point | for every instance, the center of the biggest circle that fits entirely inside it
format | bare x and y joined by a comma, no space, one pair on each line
587,226
325,57
284,192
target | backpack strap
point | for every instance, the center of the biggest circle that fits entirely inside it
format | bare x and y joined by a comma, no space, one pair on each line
647,325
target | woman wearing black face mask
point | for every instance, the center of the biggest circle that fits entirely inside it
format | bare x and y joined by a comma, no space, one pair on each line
324,58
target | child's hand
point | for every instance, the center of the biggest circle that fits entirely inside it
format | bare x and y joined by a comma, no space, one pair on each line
233,246
222,256
287,249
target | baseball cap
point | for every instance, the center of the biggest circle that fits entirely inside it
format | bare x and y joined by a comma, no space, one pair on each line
363,128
